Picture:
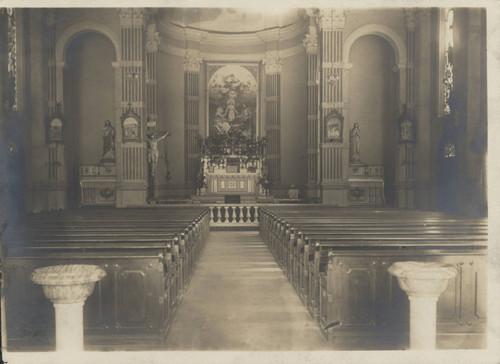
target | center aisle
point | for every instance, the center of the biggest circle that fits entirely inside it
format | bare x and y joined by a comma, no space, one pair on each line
239,299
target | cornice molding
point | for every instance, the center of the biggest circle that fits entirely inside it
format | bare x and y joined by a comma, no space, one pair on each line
237,57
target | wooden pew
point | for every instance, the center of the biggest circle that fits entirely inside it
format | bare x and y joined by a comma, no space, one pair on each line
147,273
320,254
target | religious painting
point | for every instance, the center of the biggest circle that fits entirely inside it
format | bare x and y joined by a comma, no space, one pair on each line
232,98
131,131
55,130
54,126
406,128
333,127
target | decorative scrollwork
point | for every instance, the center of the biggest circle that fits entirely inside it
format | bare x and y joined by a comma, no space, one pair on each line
107,193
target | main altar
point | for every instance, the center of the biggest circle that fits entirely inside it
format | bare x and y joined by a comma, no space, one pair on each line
232,169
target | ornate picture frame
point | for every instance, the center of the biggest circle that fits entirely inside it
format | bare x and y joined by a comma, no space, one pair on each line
55,127
131,126
233,100
333,127
406,125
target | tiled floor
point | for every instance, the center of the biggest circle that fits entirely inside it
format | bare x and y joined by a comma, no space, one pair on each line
239,299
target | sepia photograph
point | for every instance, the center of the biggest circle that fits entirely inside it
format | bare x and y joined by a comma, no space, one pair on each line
208,184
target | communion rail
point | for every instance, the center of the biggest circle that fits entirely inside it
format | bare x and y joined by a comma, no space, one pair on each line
234,215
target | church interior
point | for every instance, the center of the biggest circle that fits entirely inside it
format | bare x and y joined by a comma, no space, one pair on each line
235,179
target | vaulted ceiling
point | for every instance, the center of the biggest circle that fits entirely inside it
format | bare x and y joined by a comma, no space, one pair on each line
231,20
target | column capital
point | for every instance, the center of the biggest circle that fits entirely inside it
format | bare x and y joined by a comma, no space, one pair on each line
331,19
152,38
132,17
192,63
272,65
310,43
410,19
51,17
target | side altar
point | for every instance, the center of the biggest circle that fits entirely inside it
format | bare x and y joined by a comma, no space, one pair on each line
232,169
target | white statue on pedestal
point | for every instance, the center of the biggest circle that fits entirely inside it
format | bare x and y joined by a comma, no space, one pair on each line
354,144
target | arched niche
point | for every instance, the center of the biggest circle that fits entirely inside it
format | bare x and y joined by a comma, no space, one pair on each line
398,47
374,101
89,83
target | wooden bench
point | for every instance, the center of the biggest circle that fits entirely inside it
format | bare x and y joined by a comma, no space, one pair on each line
330,260
149,256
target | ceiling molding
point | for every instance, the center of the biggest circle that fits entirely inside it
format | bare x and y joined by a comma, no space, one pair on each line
280,34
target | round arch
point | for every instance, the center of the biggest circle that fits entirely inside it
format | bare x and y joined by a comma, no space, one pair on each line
71,32
388,34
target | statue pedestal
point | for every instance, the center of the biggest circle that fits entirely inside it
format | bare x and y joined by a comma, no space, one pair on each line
68,286
423,282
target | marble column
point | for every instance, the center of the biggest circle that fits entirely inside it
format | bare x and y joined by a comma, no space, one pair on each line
272,69
68,286
152,43
192,100
311,44
423,282
132,189
334,155
56,165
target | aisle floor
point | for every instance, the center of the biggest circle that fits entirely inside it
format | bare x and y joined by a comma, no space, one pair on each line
239,299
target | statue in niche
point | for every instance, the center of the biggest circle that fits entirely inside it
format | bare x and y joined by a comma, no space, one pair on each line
108,136
354,144
153,153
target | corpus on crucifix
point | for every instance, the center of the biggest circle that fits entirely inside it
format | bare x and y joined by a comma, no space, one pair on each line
153,153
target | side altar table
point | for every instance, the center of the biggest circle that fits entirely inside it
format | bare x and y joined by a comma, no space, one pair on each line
97,185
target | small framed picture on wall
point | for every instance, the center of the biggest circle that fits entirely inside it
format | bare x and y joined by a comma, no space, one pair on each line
333,127
131,126
55,125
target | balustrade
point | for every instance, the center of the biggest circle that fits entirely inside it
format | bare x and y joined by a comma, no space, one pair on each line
234,215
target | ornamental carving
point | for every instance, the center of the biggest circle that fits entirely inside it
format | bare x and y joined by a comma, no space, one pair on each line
331,19
51,17
310,43
192,64
131,16
272,65
410,19
152,39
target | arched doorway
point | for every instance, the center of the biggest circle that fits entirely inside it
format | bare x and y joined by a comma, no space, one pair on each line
89,100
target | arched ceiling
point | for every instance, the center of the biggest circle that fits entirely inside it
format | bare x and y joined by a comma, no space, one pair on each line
230,20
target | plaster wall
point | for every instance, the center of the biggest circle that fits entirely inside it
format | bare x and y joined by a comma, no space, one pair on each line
294,120
171,117
392,18
68,17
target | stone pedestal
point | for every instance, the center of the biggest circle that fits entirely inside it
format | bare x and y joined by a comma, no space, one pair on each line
68,286
423,282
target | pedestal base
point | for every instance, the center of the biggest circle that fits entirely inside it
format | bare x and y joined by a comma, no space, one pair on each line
69,326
